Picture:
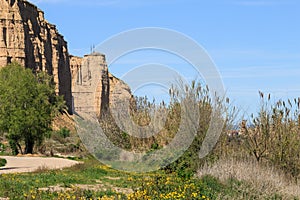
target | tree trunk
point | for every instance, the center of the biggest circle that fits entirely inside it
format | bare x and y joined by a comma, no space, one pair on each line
20,148
13,147
29,144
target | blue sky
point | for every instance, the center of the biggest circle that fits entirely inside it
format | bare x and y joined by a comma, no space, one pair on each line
254,43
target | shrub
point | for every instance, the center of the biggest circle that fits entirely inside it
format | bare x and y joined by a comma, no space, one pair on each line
2,148
207,106
275,135
64,132
2,162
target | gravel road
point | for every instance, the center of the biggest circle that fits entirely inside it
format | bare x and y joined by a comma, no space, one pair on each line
30,164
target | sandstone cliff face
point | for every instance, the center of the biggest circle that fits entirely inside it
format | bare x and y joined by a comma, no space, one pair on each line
119,90
90,83
94,88
26,37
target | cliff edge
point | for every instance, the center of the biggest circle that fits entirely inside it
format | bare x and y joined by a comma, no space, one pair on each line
27,38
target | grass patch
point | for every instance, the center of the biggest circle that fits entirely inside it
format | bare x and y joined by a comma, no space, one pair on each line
96,181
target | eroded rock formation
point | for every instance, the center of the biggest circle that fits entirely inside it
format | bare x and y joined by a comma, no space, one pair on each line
94,88
26,37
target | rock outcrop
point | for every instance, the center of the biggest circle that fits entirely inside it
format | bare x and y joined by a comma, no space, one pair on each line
26,37
94,88
118,90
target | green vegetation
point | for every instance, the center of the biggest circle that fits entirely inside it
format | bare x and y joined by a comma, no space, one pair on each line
271,142
2,148
95,181
196,98
269,148
2,162
64,132
275,137
28,104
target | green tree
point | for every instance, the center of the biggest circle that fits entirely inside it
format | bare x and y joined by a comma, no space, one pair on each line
28,104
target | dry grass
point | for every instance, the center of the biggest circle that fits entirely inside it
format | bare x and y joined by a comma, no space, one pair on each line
265,179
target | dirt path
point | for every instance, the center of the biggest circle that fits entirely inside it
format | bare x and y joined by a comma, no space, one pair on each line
30,164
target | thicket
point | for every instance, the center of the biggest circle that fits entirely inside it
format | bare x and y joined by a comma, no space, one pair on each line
274,136
168,118
271,136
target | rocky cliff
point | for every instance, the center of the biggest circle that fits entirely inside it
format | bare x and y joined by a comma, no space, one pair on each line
94,88
26,37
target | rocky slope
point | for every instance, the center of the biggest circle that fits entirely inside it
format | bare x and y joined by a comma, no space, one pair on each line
26,37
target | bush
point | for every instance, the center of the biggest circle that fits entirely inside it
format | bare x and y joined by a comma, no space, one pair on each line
64,132
2,162
207,106
61,135
275,135
183,99
2,148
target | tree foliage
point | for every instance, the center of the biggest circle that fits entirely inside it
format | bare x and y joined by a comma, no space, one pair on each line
28,104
